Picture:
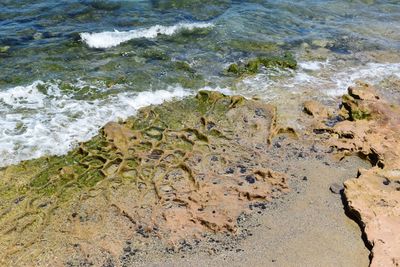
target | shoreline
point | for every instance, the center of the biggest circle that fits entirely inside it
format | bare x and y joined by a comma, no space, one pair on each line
288,154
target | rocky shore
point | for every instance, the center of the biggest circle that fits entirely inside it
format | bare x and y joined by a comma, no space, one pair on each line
371,129
183,175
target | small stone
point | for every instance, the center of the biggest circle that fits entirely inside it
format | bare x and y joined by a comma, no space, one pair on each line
229,170
277,145
260,112
314,149
210,125
336,188
242,169
250,179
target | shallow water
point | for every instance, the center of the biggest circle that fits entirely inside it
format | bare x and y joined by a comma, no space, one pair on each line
68,67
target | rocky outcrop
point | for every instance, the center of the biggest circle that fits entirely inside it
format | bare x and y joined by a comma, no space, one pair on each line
371,128
173,173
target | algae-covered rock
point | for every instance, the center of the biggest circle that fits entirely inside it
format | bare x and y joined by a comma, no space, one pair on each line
252,66
185,75
173,172
184,66
155,54
234,68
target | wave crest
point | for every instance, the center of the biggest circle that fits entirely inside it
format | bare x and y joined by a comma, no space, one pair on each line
110,39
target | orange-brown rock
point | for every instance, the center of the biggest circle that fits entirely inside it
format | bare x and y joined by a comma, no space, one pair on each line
316,110
372,129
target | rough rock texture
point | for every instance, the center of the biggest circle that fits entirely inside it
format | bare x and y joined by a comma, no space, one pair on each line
173,172
371,128
316,110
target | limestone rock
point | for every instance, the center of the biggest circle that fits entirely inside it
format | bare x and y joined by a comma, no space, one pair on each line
316,110
372,128
375,197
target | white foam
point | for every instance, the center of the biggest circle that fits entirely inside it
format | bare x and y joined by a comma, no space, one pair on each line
110,39
222,90
332,79
311,65
35,123
21,96
371,72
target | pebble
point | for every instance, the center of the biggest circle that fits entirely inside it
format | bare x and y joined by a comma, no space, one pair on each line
336,188
250,179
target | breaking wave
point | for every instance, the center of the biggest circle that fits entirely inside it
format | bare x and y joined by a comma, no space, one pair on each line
110,39
34,123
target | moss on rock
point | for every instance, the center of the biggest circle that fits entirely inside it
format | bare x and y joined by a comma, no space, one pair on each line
252,66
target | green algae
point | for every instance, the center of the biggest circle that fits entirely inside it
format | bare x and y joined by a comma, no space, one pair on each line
155,54
253,66
185,75
184,66
352,111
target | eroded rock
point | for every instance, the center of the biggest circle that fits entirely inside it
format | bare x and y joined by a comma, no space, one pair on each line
173,172
316,110
372,129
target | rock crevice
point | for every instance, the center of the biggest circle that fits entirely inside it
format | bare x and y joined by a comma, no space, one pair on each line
370,127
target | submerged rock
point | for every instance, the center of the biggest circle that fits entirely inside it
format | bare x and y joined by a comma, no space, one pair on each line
253,65
173,172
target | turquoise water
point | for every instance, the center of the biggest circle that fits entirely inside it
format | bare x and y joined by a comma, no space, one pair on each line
68,67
